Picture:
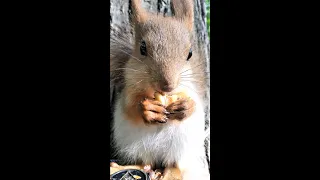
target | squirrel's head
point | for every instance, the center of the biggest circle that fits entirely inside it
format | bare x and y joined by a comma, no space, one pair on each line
163,48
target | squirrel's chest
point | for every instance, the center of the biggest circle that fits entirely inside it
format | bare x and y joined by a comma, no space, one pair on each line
168,143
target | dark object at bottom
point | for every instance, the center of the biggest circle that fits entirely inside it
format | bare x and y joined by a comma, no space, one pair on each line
128,174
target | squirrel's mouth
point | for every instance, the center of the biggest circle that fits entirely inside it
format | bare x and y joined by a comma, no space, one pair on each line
175,91
156,87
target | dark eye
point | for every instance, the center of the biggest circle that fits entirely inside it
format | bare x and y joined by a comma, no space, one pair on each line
190,54
143,48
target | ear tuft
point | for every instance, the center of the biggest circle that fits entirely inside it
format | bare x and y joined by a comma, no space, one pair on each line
183,10
139,14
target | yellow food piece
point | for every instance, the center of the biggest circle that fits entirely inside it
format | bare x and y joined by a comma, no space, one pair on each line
171,99
160,98
136,177
166,100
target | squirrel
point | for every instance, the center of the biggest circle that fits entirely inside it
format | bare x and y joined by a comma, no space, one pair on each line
161,57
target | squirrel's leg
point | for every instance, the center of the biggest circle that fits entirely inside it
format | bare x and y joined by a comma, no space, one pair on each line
181,109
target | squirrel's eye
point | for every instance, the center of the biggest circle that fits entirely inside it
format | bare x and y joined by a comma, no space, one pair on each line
143,48
190,54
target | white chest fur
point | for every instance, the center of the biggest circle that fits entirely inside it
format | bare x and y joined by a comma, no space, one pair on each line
169,143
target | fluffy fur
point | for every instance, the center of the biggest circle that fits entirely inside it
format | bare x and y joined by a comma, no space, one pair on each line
170,143
168,41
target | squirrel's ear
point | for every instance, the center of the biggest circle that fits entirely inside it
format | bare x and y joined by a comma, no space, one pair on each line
139,14
183,10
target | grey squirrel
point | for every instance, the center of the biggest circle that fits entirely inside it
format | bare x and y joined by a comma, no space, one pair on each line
161,57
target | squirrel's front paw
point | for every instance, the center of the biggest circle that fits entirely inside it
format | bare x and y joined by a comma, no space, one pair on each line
153,111
181,109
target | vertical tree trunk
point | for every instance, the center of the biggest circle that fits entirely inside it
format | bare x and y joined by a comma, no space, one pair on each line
119,18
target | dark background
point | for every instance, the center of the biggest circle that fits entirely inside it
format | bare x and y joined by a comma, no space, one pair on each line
217,45
56,93
217,39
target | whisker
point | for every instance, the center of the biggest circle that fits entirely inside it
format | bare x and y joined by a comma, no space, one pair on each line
185,71
196,73
136,58
188,77
205,83
194,89
192,80
196,77
115,78
193,67
126,79
136,83
190,88
131,56
128,69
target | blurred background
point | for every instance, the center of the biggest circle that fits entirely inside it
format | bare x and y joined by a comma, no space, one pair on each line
208,16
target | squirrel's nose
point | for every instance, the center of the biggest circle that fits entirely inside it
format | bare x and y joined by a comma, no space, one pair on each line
166,87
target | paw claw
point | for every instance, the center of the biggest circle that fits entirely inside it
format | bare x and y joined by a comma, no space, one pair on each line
164,120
